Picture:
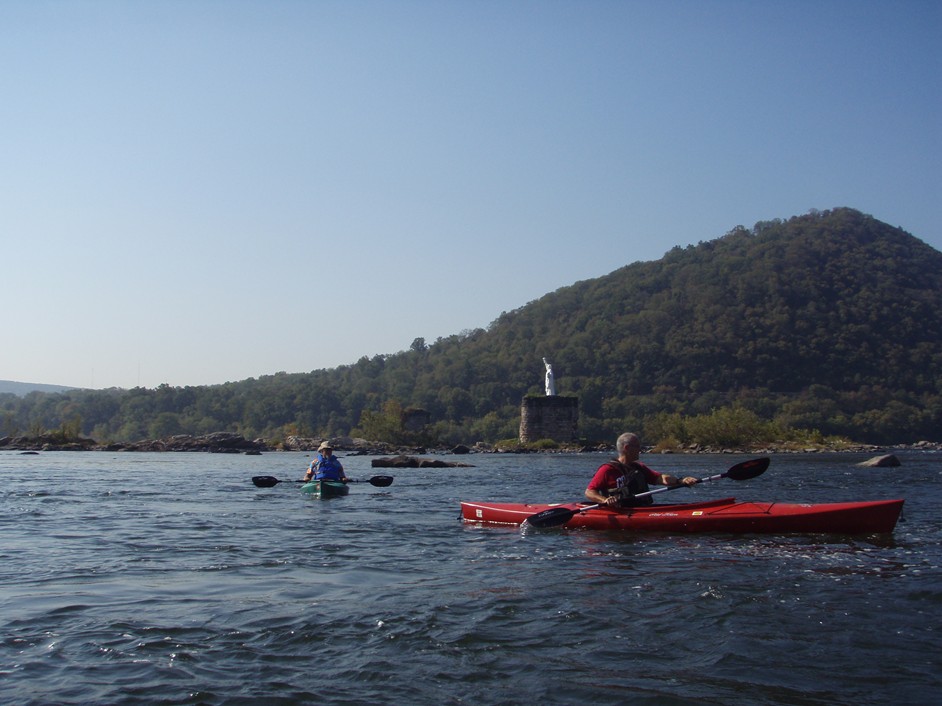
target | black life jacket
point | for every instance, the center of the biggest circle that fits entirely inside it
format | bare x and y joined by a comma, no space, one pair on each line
634,482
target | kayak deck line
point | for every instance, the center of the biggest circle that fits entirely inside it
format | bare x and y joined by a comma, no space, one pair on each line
527,509
722,515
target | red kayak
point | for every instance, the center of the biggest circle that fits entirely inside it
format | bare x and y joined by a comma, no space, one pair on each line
724,515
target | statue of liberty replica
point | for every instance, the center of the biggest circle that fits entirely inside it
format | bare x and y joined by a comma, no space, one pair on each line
550,417
550,381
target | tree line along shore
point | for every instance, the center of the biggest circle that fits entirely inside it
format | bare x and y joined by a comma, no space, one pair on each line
229,442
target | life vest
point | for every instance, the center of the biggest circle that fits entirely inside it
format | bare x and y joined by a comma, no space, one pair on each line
327,468
632,482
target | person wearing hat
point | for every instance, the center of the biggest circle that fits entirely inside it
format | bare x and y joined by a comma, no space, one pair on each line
325,466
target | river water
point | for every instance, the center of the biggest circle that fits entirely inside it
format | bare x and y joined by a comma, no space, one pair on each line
135,578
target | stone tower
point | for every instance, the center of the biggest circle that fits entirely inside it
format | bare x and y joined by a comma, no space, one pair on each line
555,418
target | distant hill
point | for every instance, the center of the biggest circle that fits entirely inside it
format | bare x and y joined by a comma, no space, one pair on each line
837,299
24,388
830,321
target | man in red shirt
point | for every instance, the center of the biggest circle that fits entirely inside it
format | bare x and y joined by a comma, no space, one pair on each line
617,482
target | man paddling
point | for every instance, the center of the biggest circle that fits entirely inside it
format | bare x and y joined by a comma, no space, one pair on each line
617,482
326,466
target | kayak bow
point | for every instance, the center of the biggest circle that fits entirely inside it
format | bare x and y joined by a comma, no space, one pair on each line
325,489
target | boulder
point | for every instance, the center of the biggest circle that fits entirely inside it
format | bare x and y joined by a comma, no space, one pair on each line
414,462
217,442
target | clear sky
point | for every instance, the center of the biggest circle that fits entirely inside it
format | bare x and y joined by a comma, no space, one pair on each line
194,192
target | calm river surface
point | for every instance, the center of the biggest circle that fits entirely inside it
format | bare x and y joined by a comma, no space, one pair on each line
135,578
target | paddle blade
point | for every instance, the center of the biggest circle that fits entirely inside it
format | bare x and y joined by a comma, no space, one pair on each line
381,481
265,481
748,469
553,517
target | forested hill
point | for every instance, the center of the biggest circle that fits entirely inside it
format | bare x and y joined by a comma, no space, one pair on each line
831,320
835,299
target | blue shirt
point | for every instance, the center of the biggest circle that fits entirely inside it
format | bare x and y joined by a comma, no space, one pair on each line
327,468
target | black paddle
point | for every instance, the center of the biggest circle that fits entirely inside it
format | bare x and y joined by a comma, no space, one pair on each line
561,515
271,481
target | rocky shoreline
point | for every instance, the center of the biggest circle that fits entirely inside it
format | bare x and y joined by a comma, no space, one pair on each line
230,442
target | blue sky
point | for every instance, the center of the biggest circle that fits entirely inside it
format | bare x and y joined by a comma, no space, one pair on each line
196,192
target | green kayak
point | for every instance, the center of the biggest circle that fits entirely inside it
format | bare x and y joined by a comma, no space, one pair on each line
325,488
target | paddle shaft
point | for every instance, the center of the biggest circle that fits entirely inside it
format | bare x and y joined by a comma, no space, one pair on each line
680,485
657,490
556,516
271,481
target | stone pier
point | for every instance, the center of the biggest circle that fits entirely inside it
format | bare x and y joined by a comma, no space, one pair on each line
555,418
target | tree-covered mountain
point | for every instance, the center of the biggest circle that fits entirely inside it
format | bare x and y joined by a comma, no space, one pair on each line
831,320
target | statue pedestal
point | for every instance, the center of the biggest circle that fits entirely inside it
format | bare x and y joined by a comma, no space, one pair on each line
555,418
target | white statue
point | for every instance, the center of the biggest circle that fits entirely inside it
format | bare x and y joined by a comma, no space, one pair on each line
550,383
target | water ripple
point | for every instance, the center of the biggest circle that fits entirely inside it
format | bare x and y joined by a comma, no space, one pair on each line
170,579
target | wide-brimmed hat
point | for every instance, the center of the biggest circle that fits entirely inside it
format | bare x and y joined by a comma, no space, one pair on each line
324,446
